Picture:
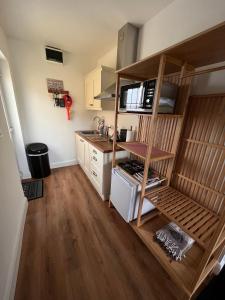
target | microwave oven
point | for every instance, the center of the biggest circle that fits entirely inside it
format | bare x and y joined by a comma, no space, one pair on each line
139,97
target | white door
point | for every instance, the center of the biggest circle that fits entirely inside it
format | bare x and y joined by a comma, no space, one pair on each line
12,207
8,122
10,127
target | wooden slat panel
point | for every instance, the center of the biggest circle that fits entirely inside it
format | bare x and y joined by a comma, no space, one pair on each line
200,167
196,220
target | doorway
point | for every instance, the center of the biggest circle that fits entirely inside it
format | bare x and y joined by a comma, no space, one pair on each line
12,117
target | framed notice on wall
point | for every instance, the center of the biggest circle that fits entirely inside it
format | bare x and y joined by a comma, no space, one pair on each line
55,86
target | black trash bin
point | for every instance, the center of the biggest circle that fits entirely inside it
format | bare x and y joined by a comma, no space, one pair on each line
38,161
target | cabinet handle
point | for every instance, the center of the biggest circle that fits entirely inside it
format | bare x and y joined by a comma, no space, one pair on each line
94,158
91,104
95,152
93,172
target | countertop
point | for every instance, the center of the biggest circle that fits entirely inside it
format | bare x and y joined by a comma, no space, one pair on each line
103,146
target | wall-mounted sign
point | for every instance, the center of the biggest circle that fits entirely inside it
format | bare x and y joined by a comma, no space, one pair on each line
55,86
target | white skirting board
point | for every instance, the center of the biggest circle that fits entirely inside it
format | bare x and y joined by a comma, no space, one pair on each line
65,163
13,271
55,165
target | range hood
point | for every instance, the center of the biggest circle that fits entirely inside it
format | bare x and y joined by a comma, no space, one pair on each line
126,55
109,92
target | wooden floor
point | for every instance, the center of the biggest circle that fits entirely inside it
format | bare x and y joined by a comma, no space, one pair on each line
75,247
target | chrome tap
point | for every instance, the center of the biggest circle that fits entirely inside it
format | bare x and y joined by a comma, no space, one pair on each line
101,124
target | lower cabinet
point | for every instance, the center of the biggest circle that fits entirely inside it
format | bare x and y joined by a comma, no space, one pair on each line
97,165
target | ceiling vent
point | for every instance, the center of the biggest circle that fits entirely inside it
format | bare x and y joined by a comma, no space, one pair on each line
54,54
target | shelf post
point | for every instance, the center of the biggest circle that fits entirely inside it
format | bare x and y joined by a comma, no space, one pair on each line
151,132
116,119
115,124
209,251
184,95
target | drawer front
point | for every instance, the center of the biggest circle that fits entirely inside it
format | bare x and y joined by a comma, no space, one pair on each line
96,157
96,175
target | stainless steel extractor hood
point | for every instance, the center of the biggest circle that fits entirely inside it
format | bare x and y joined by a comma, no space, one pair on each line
126,55
110,92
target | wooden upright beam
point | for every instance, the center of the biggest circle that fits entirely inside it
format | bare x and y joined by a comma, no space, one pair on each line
115,123
116,119
151,132
209,251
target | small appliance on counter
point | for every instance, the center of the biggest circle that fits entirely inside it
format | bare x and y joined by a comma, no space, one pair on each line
138,97
125,135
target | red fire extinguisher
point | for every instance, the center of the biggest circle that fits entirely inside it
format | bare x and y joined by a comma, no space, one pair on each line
68,103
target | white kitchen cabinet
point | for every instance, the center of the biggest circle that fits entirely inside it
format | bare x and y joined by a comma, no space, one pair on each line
95,82
80,150
97,165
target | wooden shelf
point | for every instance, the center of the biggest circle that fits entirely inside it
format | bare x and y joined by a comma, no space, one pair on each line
197,221
182,272
150,115
192,50
140,149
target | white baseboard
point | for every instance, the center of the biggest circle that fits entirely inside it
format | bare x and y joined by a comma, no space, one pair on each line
55,165
65,163
13,271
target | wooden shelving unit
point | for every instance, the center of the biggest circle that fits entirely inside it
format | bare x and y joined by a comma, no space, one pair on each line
188,149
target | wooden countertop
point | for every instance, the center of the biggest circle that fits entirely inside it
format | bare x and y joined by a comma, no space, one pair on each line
103,146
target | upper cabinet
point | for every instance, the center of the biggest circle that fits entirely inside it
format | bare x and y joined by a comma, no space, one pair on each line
95,82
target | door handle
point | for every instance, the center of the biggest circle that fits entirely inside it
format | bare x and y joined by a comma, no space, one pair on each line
1,135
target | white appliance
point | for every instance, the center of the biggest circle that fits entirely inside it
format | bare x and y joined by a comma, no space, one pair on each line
125,195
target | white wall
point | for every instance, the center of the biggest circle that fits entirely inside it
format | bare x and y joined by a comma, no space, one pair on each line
12,202
179,20
41,121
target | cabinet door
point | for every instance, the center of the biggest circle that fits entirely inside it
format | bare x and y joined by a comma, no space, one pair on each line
89,98
97,87
80,151
86,158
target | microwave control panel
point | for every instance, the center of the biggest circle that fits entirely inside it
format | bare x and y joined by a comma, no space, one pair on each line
149,92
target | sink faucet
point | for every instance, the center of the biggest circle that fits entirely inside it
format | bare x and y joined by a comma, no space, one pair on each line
101,124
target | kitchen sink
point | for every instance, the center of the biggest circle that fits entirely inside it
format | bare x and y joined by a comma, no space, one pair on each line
89,132
97,138
93,136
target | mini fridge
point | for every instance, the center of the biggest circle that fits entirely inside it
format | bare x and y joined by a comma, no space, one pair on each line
125,195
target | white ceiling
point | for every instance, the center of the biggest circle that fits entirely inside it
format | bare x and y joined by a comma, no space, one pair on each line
80,26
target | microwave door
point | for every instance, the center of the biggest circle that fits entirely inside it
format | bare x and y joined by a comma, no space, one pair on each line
129,98
141,96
